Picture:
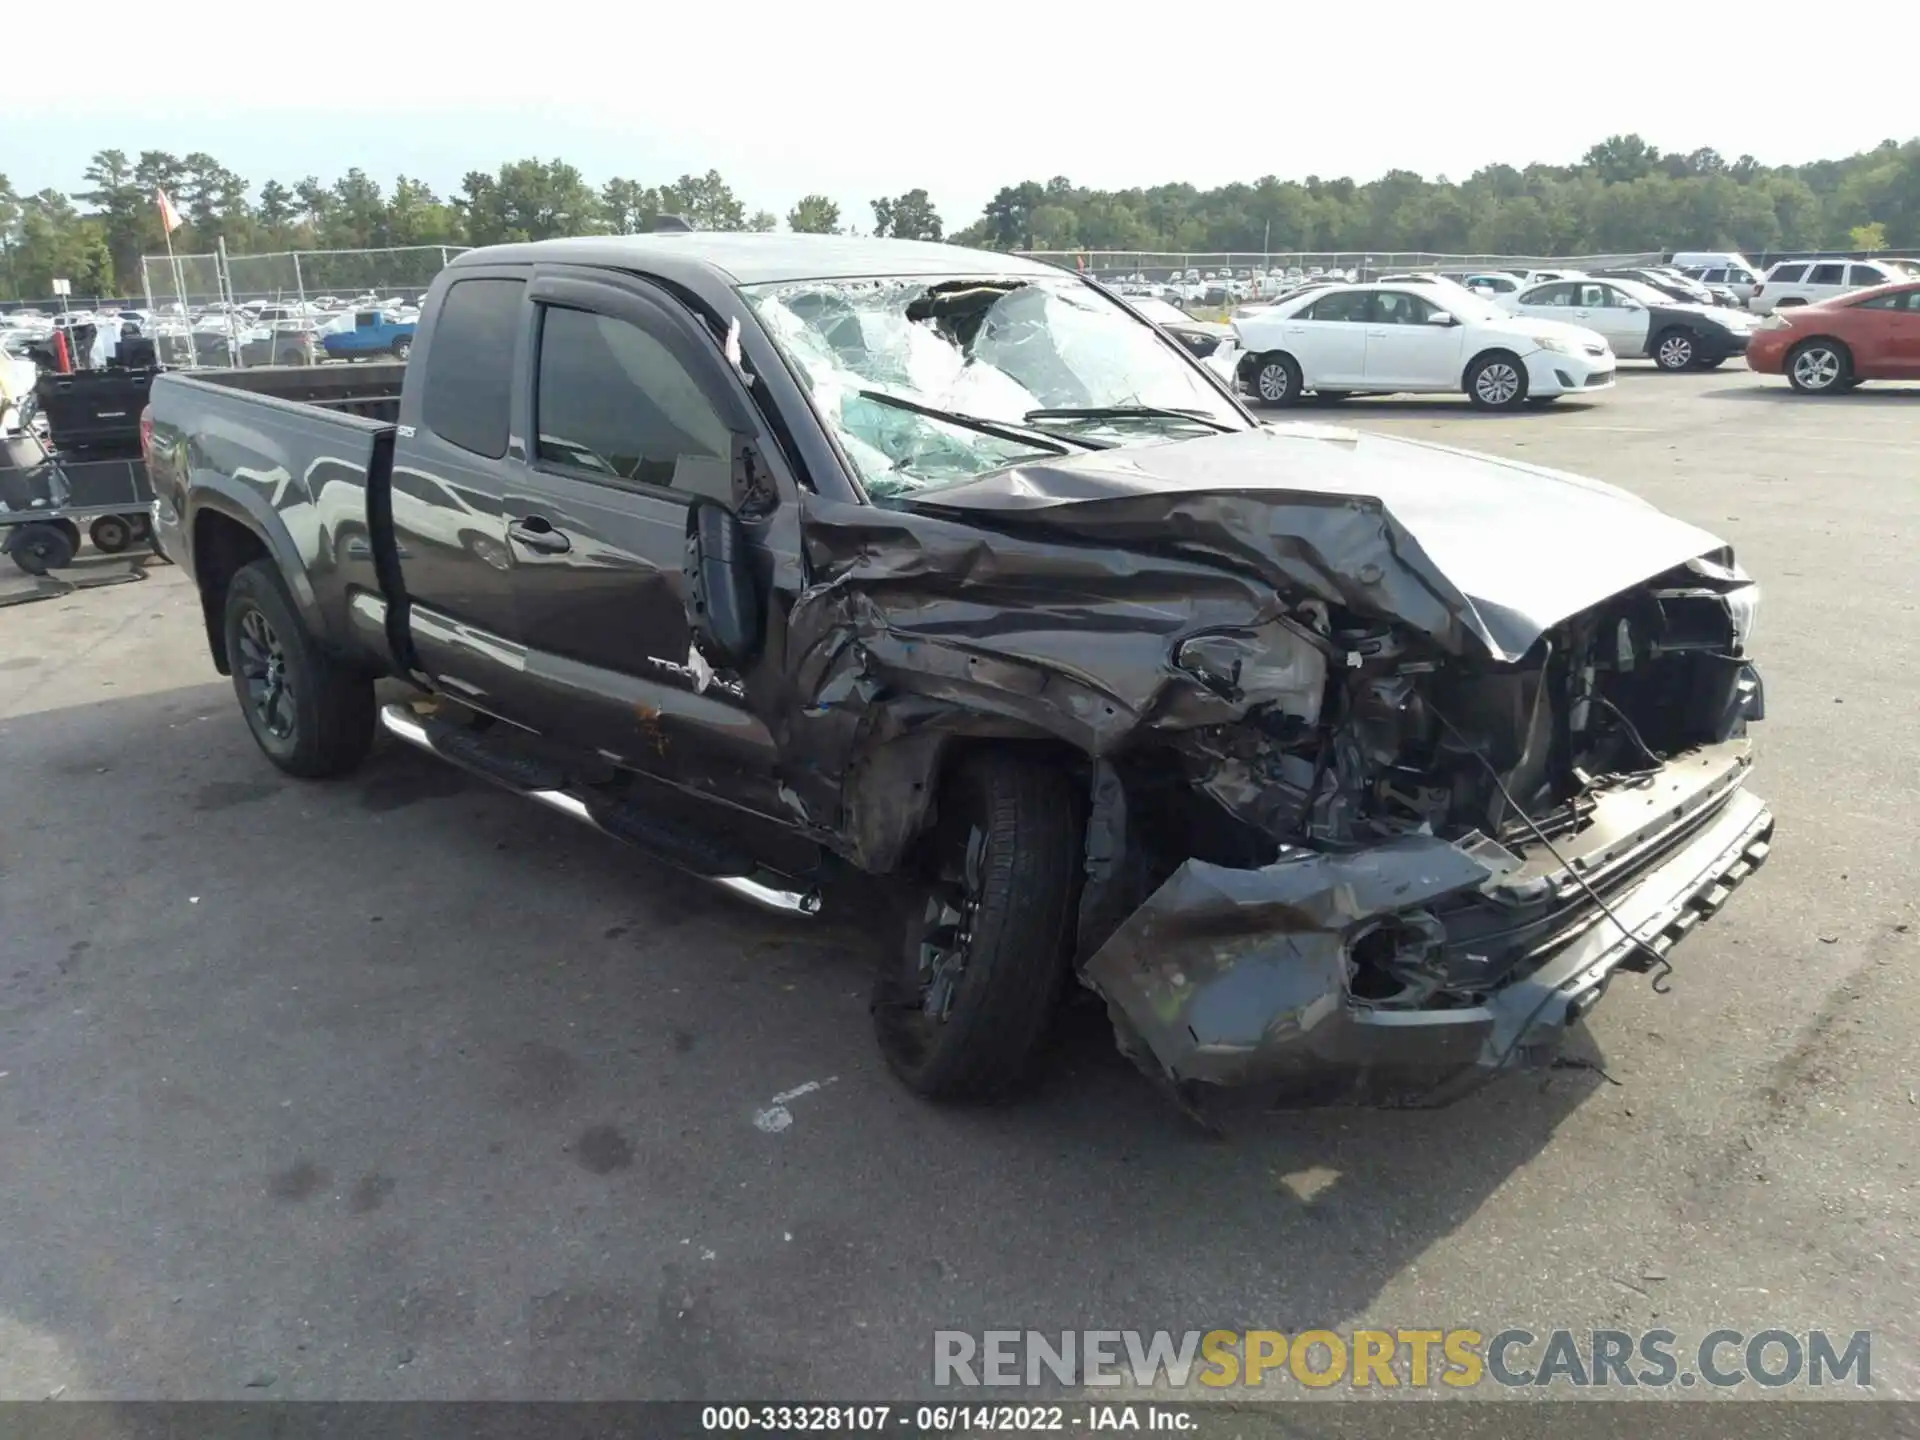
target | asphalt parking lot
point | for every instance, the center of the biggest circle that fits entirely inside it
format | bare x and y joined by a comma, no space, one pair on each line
401,1087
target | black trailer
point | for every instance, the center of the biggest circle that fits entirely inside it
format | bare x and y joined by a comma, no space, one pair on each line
46,499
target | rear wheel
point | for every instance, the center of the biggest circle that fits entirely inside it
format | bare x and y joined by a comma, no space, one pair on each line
1819,367
1497,381
311,716
39,547
403,347
1675,350
1275,380
110,534
961,1009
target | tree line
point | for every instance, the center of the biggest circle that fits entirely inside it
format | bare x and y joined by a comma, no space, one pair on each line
1623,195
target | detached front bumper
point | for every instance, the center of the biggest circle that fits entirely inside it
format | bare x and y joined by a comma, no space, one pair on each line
1242,977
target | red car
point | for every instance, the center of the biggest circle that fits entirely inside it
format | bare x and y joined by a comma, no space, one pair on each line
1831,346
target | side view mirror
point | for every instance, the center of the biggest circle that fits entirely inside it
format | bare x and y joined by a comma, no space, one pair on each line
722,601
1441,317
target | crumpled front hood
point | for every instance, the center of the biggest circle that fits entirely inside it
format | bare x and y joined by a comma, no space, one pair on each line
1462,547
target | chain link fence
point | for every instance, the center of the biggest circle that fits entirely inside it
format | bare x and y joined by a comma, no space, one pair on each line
198,300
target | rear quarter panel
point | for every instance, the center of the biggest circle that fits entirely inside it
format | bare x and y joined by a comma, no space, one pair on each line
294,475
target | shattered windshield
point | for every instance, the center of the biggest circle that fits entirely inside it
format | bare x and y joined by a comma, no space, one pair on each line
930,382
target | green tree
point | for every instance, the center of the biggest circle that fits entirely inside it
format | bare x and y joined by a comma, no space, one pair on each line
1871,236
907,217
529,200
417,216
761,221
627,206
705,202
814,215
276,208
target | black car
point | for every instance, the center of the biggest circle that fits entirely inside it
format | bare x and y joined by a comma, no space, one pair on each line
1202,337
1327,761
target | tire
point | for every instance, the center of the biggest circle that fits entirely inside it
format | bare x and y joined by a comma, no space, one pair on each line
110,534
40,546
1497,380
1820,367
293,357
1675,349
960,1017
69,529
1274,379
402,348
310,716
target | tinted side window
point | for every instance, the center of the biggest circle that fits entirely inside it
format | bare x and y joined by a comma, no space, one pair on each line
1713,277
1786,274
1560,293
615,400
468,388
1866,275
1827,275
1883,302
1349,306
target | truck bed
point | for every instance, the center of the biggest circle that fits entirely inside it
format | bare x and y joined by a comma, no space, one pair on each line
280,452
371,391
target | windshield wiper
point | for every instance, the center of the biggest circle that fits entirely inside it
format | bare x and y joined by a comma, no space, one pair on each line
999,429
1130,412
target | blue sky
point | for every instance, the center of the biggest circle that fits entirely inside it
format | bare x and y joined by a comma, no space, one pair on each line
858,99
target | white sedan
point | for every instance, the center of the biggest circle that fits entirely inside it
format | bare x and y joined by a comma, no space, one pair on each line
1394,338
1640,322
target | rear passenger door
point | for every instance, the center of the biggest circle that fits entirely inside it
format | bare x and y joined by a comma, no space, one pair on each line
635,415
459,441
1824,281
1329,339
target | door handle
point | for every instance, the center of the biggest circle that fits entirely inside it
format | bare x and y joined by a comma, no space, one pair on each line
537,534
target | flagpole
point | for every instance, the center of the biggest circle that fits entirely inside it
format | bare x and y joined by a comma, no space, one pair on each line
180,289
169,222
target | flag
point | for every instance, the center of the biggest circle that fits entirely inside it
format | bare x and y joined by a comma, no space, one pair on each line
169,217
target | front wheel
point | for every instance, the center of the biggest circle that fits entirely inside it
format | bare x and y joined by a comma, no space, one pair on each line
1275,380
1497,382
1819,367
961,1010
1675,350
311,716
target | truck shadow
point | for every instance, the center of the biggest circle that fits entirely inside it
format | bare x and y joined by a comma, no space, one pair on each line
401,1050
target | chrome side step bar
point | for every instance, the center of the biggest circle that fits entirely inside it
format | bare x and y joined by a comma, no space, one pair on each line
759,888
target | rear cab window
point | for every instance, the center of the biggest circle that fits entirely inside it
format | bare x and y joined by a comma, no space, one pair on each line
467,391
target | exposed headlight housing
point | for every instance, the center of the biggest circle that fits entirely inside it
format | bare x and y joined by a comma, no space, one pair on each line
1742,606
1557,345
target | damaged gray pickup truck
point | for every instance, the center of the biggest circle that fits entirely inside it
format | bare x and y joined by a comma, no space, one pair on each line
1344,767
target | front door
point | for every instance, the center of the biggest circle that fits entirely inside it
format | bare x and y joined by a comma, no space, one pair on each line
1409,344
632,421
1623,320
